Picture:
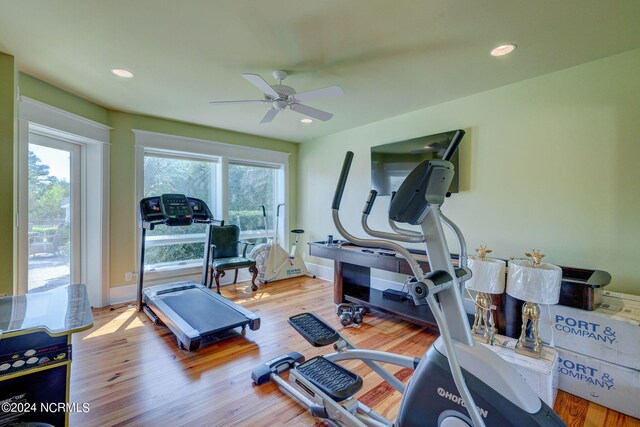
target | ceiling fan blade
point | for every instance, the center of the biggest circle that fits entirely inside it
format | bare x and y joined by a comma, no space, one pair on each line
271,113
261,84
325,92
248,101
311,112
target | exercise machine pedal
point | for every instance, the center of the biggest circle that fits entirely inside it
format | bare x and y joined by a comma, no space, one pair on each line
315,330
331,378
262,373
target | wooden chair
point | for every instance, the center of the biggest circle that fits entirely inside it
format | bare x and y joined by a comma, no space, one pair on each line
48,242
225,255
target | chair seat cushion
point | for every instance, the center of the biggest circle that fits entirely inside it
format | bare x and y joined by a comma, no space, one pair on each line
232,262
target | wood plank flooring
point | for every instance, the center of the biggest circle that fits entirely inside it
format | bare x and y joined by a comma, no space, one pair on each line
132,373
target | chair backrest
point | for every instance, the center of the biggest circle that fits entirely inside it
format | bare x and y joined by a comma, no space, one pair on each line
226,239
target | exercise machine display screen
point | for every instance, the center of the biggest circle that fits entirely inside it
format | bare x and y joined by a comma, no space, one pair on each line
174,209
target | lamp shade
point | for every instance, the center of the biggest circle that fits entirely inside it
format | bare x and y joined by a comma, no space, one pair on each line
488,275
540,284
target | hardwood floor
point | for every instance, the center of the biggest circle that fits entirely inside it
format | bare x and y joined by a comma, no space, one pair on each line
132,373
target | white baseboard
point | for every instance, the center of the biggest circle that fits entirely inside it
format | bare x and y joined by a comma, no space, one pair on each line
123,293
127,293
320,271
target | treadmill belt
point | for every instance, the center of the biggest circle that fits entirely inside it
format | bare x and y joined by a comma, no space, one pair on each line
202,311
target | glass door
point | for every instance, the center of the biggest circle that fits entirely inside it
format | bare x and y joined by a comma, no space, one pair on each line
53,213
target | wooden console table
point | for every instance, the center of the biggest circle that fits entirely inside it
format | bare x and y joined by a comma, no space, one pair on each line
352,279
352,283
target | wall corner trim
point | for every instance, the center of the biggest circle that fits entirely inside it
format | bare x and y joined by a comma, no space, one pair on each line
51,117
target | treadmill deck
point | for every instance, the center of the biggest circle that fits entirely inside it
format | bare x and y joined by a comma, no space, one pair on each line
203,312
194,312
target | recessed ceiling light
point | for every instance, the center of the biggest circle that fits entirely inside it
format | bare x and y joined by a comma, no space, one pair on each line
503,50
306,121
120,72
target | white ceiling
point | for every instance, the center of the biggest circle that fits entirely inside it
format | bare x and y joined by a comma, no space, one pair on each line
390,57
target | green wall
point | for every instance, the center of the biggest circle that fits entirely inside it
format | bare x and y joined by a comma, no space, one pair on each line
8,79
44,92
122,222
549,163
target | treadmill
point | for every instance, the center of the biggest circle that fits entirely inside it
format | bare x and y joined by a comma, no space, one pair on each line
193,312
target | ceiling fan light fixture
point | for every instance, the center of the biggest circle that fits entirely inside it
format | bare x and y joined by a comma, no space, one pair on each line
306,121
121,72
503,50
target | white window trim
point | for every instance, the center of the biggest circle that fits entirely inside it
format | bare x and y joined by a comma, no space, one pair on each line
93,137
174,239
182,239
181,146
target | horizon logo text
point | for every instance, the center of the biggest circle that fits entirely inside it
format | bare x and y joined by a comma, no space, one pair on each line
586,373
294,271
457,399
585,329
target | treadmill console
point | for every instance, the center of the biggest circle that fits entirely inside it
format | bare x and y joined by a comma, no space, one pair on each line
172,210
176,209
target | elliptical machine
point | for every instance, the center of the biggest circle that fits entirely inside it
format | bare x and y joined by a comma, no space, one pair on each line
456,383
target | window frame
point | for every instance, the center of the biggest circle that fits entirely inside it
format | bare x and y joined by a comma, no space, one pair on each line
94,141
261,234
164,145
186,238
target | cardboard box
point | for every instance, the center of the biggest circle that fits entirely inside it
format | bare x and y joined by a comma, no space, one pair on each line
604,383
611,332
629,297
541,374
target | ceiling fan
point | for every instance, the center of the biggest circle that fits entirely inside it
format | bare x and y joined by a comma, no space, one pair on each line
282,97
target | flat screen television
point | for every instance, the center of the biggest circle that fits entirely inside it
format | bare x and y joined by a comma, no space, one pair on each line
391,163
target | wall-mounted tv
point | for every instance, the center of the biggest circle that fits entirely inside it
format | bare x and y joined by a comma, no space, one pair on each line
391,163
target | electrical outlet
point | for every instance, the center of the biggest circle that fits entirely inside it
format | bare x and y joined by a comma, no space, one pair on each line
128,276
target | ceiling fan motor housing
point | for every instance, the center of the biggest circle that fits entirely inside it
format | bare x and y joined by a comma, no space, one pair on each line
279,104
284,91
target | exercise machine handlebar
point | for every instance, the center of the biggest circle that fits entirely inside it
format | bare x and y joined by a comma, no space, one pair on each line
342,181
404,237
370,201
453,146
335,207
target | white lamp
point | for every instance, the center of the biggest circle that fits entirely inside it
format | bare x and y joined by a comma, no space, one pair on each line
535,283
487,278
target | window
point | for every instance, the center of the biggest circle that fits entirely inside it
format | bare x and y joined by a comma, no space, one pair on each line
195,177
233,180
249,187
